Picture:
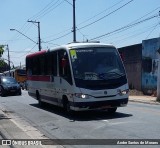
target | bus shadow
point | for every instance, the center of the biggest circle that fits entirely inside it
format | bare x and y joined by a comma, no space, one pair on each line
82,116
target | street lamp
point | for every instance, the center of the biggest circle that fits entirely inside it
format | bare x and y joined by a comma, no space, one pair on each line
23,35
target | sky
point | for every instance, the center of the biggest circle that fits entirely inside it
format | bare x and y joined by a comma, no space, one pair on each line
118,22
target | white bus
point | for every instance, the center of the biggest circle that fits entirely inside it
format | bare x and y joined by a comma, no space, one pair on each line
78,77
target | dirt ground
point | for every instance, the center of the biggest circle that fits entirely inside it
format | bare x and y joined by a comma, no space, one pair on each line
134,92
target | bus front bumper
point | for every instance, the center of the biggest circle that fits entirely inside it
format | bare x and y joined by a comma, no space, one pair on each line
80,106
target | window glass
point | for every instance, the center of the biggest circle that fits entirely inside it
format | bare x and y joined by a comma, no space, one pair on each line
41,62
42,65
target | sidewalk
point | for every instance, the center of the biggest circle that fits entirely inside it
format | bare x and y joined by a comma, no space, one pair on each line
144,99
12,130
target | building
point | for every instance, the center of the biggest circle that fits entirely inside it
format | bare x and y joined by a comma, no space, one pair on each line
132,58
141,63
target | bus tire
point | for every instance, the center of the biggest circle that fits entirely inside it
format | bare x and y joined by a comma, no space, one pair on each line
39,99
112,110
66,105
2,92
20,93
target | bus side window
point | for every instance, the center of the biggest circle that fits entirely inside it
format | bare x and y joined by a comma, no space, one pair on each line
64,66
54,64
42,65
29,66
51,64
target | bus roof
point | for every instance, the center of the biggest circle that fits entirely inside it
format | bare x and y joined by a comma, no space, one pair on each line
71,46
36,53
86,44
81,45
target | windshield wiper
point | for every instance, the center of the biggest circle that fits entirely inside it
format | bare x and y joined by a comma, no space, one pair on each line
110,75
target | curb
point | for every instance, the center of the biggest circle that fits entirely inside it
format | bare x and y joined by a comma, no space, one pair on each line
146,102
13,127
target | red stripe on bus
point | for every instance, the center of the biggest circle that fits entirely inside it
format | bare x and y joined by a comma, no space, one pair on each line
38,78
36,54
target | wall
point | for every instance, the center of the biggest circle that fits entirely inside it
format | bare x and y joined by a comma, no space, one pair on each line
132,58
150,64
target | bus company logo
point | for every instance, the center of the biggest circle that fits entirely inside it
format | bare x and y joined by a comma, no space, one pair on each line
6,142
105,92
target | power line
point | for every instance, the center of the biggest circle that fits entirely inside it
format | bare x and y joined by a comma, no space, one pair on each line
69,2
138,19
90,19
41,13
99,13
134,35
44,10
26,52
152,31
58,37
106,15
96,20
17,51
124,28
128,33
51,9
86,19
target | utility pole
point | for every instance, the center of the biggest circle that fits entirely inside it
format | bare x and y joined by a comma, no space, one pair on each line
7,48
39,37
74,22
8,60
158,74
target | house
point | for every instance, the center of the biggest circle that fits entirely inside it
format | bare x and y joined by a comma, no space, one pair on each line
141,63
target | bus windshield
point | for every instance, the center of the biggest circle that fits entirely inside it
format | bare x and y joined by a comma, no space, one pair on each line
99,64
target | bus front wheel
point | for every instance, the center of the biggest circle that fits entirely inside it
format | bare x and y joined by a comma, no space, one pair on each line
112,110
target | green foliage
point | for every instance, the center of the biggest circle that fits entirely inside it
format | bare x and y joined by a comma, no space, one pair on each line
2,63
3,66
1,50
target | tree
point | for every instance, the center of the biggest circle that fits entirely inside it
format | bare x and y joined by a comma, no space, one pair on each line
3,66
1,50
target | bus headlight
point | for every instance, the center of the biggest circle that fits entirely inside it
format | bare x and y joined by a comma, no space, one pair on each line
122,92
83,96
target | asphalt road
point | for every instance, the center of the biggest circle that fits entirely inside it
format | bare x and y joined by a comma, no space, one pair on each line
136,121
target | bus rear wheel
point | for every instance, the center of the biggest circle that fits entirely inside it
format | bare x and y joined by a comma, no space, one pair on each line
41,104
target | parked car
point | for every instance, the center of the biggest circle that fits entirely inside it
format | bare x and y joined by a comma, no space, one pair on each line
8,85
